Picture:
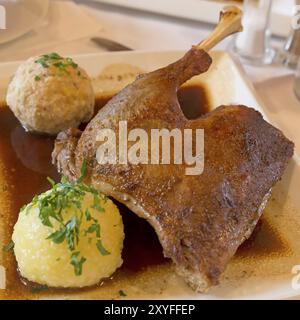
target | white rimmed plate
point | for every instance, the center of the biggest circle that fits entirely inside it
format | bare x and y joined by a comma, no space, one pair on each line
257,276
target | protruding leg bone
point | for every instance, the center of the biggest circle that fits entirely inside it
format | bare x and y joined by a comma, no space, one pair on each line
230,22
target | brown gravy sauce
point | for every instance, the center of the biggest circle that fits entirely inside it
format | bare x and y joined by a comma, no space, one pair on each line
194,101
27,163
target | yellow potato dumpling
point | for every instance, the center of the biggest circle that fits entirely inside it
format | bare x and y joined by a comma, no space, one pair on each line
76,247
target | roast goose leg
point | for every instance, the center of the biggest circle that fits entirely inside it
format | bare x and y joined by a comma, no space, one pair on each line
200,220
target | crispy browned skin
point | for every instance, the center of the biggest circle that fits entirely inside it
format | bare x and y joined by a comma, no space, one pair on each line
200,220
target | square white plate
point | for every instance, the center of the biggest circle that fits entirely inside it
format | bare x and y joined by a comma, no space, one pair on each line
258,276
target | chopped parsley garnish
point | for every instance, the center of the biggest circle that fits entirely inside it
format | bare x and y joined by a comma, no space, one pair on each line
38,289
101,249
54,59
83,171
122,293
37,78
77,262
9,246
63,197
94,228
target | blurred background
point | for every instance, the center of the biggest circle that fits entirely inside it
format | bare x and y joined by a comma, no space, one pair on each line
35,26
